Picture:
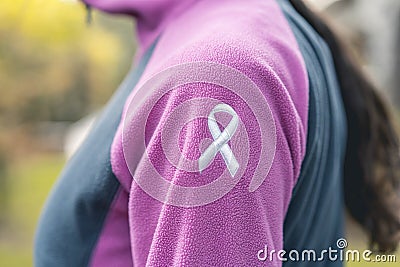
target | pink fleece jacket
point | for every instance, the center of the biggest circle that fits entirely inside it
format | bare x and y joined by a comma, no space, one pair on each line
232,62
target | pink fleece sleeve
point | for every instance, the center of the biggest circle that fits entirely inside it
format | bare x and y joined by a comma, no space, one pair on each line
190,207
212,140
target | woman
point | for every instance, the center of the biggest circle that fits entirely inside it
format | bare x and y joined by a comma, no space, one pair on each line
227,145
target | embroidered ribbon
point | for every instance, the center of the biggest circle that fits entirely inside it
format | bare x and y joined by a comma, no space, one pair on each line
220,143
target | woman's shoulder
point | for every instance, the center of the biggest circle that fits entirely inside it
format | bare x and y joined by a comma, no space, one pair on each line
252,37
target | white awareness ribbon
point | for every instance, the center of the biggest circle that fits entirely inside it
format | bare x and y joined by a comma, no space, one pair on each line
220,143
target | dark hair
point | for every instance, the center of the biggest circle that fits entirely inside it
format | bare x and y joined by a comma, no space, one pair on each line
372,162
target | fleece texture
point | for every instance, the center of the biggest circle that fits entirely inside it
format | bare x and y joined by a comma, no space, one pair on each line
315,218
253,38
135,193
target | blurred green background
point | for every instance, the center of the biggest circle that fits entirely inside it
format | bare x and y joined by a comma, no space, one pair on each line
54,70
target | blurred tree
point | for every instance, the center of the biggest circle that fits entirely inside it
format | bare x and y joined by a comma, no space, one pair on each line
53,67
